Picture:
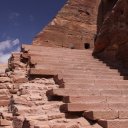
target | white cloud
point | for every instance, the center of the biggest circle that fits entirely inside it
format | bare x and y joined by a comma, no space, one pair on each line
8,44
6,47
15,42
4,58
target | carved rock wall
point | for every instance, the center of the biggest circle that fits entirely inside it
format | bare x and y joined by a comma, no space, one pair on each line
74,25
113,35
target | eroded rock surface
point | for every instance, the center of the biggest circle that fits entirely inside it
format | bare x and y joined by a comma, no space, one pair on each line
113,34
73,26
35,108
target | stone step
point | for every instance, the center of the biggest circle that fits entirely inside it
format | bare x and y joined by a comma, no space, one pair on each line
92,85
71,66
59,53
26,47
84,79
106,114
89,75
95,71
53,58
101,114
86,92
81,107
61,50
73,70
77,63
71,92
76,71
117,123
97,83
63,56
95,99
62,124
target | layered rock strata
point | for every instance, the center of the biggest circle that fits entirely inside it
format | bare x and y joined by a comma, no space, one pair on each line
74,26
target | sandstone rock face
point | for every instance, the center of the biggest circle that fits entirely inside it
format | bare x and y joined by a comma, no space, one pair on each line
112,36
2,69
74,26
113,30
62,90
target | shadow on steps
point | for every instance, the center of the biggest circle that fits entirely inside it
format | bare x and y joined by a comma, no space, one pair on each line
113,64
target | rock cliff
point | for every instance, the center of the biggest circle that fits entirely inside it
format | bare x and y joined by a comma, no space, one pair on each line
74,26
112,36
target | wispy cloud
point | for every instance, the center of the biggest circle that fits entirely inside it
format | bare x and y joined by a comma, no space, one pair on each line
14,15
6,47
4,58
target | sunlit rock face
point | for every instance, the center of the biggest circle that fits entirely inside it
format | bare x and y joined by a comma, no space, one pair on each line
98,24
74,26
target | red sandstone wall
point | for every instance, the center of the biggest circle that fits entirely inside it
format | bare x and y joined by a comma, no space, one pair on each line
114,32
74,25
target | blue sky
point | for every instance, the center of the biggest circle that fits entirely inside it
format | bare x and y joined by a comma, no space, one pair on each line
21,20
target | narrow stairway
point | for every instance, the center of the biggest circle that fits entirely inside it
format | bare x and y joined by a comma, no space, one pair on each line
81,90
87,85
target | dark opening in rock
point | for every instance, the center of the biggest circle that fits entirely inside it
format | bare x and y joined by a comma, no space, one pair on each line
86,45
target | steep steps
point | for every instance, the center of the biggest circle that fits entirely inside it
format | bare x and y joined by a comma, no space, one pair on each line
85,92
88,87
95,99
81,107
117,123
101,114
97,84
106,114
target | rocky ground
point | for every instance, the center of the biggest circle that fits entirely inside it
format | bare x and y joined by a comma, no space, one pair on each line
35,109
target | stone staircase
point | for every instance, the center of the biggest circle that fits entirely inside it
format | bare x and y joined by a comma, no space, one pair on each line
79,88
87,85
